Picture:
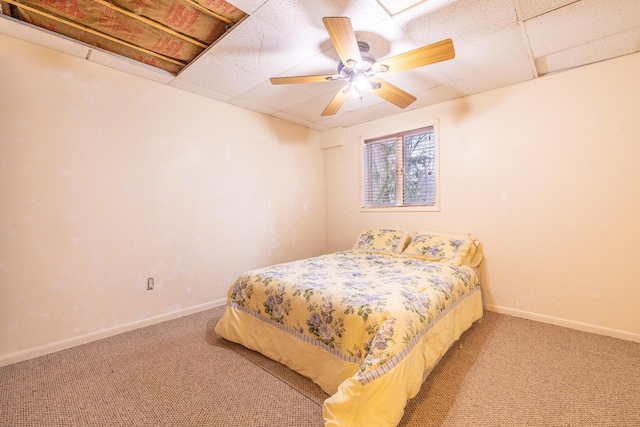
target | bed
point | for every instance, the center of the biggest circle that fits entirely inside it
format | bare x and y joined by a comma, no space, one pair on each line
368,324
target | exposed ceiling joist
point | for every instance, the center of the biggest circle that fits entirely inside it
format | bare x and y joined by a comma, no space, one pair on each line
166,34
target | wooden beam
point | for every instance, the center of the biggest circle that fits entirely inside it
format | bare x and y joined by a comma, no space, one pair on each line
5,8
209,11
95,32
153,23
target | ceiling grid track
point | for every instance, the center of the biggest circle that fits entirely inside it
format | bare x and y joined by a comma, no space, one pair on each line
525,37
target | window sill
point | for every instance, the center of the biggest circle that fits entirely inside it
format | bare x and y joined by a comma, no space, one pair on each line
435,208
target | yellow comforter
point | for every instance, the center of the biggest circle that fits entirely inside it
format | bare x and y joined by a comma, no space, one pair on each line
367,328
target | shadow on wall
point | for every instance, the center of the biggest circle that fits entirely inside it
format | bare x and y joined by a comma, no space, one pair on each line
485,283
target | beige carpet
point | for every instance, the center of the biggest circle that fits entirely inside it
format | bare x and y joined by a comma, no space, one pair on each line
504,371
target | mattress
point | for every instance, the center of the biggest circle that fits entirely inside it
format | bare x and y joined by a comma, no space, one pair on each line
366,327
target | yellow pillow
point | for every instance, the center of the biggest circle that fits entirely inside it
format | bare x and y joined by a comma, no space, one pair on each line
440,248
382,241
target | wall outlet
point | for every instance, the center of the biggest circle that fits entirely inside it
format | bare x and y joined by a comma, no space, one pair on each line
150,283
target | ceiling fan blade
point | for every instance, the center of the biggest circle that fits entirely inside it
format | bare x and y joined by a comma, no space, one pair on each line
393,94
336,102
430,54
301,79
343,39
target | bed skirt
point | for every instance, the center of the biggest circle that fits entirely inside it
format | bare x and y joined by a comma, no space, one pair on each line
354,400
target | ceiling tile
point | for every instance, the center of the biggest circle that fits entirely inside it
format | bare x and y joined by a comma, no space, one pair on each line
215,73
460,20
292,118
418,79
36,35
299,20
504,76
317,126
396,6
435,95
277,97
599,50
256,46
353,103
308,110
386,39
321,63
380,110
129,66
580,23
485,54
200,90
341,119
248,6
532,8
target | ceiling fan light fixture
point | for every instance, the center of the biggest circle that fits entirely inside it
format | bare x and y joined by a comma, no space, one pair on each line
355,92
358,68
360,84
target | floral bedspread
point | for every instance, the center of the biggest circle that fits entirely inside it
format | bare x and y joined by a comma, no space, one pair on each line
366,308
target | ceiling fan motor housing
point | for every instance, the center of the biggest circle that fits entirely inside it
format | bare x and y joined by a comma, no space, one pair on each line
367,62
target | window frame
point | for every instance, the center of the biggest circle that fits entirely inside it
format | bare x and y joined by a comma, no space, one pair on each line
404,130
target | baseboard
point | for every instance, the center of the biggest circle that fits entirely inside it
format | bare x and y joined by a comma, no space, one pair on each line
580,326
31,353
94,336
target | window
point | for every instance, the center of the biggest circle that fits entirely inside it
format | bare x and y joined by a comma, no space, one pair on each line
400,170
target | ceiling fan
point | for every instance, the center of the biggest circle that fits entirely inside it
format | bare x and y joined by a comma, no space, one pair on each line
360,70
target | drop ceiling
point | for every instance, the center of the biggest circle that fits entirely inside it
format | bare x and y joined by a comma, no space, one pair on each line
497,43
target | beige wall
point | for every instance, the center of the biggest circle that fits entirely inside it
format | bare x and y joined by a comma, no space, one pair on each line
547,174
107,179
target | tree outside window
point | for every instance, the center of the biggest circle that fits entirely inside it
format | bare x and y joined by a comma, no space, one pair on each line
400,169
